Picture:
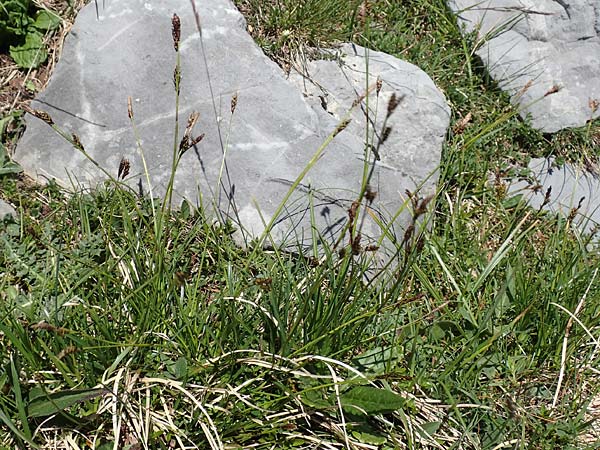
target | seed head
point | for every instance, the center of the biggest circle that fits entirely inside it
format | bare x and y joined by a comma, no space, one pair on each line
124,167
553,90
42,115
129,108
393,104
234,100
379,85
460,126
341,127
196,140
524,88
385,135
187,141
352,211
355,245
76,141
371,194
176,31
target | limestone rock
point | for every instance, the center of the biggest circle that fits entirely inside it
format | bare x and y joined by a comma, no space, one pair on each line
265,143
534,47
6,210
570,188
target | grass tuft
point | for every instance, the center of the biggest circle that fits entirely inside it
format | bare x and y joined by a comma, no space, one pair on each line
125,324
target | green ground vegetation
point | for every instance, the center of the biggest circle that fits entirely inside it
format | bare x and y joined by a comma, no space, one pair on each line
123,325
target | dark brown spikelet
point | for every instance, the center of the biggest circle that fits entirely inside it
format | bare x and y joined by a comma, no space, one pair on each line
371,248
547,197
385,135
196,140
355,244
234,100
76,141
129,108
341,127
422,206
352,211
124,167
379,85
187,141
42,115
594,104
176,31
574,211
408,234
264,283
49,327
370,194
393,104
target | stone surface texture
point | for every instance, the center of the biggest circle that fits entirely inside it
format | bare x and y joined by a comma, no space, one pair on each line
532,47
570,187
6,210
265,143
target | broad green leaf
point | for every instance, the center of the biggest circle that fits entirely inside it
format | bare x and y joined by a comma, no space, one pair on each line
369,438
6,165
4,121
30,54
46,20
57,402
179,368
371,400
429,429
9,168
377,360
436,333
314,399
14,19
512,202
30,85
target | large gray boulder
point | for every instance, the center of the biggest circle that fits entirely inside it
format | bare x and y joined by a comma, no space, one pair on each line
265,143
535,47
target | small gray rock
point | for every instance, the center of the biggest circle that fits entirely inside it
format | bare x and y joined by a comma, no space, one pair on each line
534,47
6,210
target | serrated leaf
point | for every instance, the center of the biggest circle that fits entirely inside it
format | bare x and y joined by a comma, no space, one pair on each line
59,401
30,54
46,20
371,400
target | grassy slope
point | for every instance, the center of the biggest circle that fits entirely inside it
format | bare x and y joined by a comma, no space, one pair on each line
202,342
